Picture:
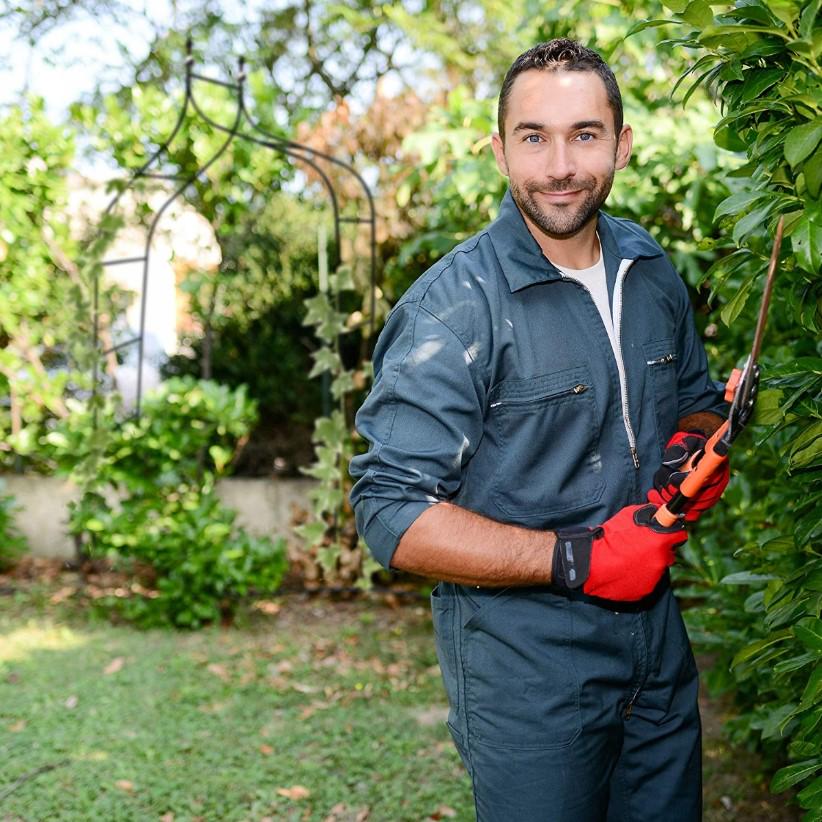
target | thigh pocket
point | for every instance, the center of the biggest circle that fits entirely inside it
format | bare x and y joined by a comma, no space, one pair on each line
546,431
521,690
661,362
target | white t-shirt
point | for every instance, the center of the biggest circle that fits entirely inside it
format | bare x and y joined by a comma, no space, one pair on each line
594,280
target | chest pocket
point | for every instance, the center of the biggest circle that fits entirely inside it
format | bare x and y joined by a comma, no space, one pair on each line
547,434
661,362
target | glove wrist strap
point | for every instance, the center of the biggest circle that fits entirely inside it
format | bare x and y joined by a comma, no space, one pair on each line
572,557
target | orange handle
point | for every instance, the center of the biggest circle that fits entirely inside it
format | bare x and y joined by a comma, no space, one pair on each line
697,476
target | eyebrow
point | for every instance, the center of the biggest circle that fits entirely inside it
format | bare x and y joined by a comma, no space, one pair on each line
592,124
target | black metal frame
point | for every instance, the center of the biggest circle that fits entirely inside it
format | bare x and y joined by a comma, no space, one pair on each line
253,133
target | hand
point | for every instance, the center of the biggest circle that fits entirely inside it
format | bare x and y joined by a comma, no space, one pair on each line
679,450
622,560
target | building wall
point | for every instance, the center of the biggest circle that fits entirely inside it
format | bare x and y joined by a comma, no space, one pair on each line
264,508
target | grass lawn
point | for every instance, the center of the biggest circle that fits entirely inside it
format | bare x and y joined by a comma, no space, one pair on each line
317,710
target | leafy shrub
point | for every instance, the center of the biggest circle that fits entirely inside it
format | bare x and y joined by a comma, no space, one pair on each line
12,543
153,508
762,602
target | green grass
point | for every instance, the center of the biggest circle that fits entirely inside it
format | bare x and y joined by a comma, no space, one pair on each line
342,699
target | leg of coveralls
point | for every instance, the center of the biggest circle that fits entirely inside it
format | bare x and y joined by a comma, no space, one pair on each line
534,682
659,773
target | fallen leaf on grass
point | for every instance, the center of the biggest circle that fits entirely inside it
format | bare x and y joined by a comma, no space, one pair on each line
18,726
294,792
342,813
443,812
71,702
219,671
125,785
62,594
305,688
266,750
115,665
267,608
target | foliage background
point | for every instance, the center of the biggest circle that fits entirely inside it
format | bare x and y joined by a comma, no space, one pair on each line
407,90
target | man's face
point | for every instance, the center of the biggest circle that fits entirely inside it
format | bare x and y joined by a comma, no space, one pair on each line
560,151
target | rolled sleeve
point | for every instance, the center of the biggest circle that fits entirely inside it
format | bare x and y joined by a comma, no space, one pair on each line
696,390
423,421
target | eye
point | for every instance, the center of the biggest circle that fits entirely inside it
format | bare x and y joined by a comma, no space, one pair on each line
586,137
534,139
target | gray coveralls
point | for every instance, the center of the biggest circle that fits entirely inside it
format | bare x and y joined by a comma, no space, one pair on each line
497,388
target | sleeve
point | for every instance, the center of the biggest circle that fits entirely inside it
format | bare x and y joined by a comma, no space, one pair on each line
423,422
696,390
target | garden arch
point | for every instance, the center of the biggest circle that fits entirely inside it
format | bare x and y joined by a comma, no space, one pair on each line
244,127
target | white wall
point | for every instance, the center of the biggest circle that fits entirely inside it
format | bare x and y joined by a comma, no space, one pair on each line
264,508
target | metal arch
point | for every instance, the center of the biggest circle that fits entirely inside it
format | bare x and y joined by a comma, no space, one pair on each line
290,148
372,214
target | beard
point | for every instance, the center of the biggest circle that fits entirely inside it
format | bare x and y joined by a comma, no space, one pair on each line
562,220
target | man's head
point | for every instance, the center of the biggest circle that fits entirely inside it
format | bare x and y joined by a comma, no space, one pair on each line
560,55
561,136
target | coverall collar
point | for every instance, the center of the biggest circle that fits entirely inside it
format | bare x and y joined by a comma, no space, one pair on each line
523,262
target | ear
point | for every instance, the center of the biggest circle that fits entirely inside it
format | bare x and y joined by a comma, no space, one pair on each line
499,153
625,143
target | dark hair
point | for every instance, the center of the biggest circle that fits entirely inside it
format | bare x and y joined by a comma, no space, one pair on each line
561,55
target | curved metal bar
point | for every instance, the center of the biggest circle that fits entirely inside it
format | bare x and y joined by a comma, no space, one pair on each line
232,133
289,148
140,172
95,298
372,218
325,178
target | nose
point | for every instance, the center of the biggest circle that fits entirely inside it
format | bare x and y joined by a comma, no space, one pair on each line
560,163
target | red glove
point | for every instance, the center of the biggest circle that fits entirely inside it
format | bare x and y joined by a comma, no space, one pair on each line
622,560
680,448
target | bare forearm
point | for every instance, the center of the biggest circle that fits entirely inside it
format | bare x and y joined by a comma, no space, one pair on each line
450,543
705,421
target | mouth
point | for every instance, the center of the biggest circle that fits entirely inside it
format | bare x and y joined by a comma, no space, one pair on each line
560,196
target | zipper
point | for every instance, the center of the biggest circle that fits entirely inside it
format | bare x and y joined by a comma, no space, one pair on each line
579,388
624,267
626,713
664,360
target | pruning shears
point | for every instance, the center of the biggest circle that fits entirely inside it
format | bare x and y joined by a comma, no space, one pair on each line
740,391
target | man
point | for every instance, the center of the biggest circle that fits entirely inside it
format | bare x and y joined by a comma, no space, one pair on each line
525,388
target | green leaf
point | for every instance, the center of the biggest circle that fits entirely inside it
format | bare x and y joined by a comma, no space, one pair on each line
635,29
325,359
221,457
738,202
752,221
756,649
785,777
813,688
813,174
806,239
731,310
676,6
313,532
807,445
759,81
801,141
698,13
811,795
746,578
784,10
768,409
727,138
809,635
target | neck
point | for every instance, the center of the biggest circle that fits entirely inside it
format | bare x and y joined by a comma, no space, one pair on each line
580,250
